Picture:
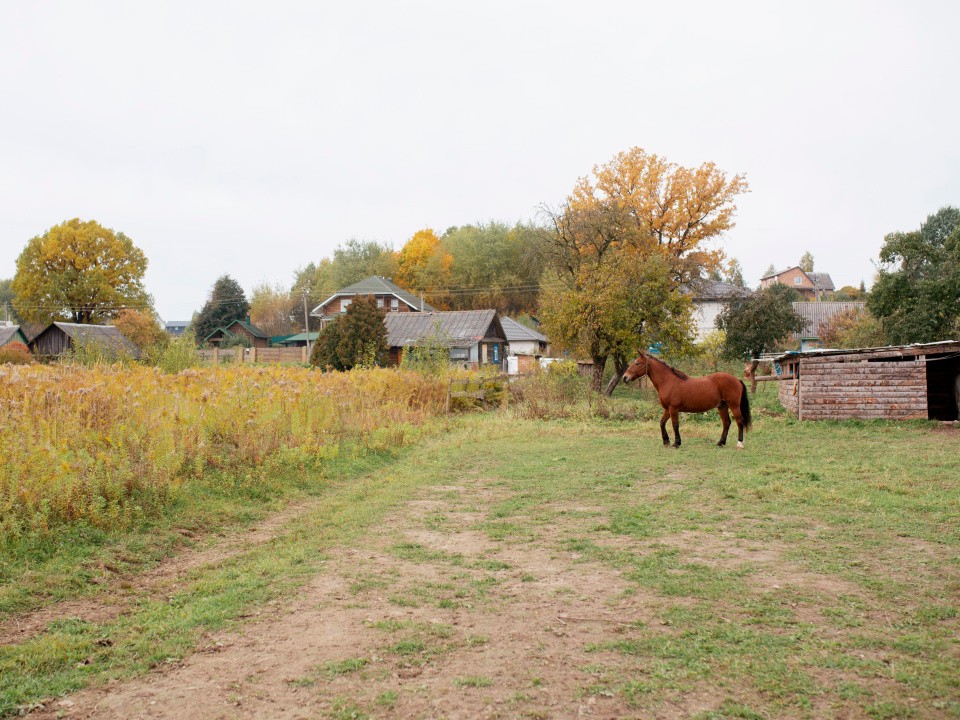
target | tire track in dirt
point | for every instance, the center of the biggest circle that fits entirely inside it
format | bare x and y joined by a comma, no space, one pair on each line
432,621
119,592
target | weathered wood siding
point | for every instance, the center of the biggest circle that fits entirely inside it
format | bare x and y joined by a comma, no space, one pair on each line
52,341
787,396
833,390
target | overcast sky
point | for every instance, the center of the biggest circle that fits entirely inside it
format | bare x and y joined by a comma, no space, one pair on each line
252,138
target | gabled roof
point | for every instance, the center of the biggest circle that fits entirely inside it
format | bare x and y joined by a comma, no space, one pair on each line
301,337
941,346
249,327
106,336
223,331
458,328
706,289
517,332
821,281
376,285
781,272
11,333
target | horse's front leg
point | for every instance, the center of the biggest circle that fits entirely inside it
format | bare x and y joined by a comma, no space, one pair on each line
675,419
663,427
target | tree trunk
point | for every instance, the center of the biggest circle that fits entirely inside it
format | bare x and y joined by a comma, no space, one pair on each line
599,363
620,366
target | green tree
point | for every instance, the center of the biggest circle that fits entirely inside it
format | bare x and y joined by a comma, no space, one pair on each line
7,311
227,302
806,262
771,270
79,271
757,323
363,334
628,302
733,273
917,293
357,259
853,328
325,354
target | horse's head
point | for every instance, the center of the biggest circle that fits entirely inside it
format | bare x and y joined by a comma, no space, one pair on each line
637,369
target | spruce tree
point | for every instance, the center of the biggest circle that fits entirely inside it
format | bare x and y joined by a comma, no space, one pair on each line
363,334
227,302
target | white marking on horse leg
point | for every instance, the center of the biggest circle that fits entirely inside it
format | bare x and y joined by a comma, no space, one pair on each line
739,445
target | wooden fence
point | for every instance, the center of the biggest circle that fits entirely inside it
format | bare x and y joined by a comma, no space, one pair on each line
255,355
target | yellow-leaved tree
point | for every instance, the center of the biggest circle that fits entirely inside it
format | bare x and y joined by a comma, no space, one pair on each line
81,272
423,265
638,219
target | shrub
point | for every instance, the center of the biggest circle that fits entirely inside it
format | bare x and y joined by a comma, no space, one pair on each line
853,328
15,353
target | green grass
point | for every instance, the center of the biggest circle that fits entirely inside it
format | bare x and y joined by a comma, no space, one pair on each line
858,521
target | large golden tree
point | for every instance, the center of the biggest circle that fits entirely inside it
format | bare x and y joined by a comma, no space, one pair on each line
635,215
79,271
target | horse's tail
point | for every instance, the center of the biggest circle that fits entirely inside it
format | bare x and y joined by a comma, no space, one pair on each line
744,406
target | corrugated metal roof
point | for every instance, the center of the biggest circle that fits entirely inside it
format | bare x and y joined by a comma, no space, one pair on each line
457,328
705,289
11,333
376,285
517,332
816,313
821,281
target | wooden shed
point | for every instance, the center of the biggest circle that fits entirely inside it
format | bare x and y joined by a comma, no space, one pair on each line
60,337
894,383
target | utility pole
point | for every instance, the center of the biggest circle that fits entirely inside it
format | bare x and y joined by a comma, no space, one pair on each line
306,322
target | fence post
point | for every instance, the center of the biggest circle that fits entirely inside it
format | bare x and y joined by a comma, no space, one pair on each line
253,354
216,356
303,354
449,392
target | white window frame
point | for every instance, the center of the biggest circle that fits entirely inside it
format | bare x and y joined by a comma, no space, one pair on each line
394,305
380,303
345,303
798,280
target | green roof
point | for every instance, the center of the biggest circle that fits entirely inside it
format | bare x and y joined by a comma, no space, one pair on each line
302,337
225,332
250,328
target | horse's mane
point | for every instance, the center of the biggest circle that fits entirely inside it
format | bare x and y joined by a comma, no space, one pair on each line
678,373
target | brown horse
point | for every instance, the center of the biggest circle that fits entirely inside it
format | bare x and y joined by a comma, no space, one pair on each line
680,393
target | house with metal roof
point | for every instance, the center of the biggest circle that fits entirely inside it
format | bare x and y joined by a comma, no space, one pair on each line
473,337
176,327
810,285
61,337
11,334
709,299
522,340
391,298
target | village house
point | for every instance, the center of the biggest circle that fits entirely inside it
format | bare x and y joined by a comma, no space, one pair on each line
710,297
390,298
522,340
472,337
11,334
810,285
251,334
62,337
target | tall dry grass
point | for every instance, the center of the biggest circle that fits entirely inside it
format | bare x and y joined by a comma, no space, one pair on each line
107,444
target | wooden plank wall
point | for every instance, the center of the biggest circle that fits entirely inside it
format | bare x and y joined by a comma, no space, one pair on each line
786,395
831,390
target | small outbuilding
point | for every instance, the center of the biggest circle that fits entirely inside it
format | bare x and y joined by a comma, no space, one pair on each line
895,383
523,340
61,337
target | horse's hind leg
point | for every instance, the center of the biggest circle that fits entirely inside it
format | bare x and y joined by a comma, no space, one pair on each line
663,427
675,419
725,419
739,420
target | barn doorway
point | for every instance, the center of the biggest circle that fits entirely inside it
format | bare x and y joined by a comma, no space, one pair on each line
943,386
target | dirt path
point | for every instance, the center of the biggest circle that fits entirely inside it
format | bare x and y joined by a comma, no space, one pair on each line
430,618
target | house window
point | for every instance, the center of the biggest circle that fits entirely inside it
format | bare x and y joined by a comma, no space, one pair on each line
394,305
459,353
380,303
797,280
344,304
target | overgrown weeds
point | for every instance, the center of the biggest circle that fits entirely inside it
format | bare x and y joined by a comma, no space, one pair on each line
107,445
